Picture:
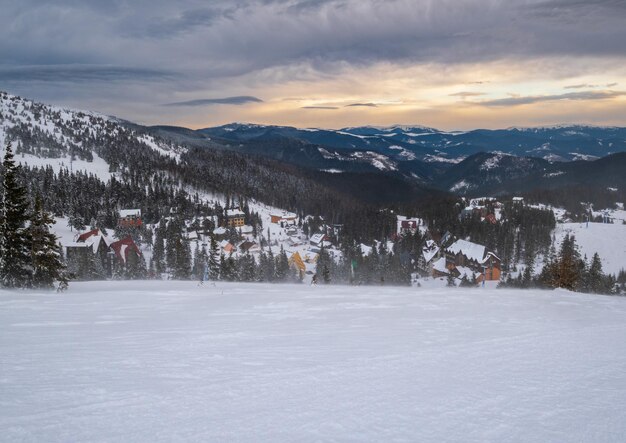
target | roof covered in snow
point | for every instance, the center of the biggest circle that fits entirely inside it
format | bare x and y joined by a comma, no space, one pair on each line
317,238
130,213
440,265
283,214
430,250
472,251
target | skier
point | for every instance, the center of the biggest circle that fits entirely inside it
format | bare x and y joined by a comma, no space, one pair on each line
314,280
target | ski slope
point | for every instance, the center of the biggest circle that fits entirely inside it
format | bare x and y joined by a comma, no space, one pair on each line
608,240
171,361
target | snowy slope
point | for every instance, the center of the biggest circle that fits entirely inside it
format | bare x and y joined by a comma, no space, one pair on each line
54,132
608,240
171,361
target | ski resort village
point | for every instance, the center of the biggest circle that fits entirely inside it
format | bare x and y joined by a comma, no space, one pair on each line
165,284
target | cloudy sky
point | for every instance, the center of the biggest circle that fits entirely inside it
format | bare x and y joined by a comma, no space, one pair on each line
451,64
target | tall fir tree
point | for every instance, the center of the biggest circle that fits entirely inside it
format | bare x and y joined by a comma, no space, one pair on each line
46,255
16,265
213,260
182,265
158,250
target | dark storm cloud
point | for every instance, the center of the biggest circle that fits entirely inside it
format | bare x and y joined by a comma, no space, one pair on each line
238,100
233,38
81,73
228,47
525,100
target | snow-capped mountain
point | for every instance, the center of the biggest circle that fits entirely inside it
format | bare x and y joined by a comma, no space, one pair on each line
500,173
49,135
369,162
552,143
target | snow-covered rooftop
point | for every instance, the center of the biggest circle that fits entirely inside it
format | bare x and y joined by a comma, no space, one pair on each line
430,250
130,213
235,213
471,250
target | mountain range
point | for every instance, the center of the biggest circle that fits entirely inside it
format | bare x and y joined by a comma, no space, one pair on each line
368,162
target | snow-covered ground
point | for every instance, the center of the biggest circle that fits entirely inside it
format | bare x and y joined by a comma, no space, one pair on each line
608,240
171,361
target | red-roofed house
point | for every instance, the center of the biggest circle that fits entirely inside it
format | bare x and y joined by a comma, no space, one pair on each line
123,247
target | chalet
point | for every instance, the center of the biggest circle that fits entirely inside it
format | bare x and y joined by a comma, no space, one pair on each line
78,252
428,256
283,218
442,269
407,225
122,248
248,246
129,218
235,218
476,257
471,211
227,247
319,240
99,247
295,261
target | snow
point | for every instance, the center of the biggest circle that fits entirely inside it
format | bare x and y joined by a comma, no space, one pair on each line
235,213
493,161
162,148
98,167
124,213
171,361
608,240
471,250
430,158
430,250
440,265
585,157
461,185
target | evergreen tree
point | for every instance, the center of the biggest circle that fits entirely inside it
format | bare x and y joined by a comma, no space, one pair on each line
324,265
158,250
46,257
282,265
15,251
595,276
182,264
135,266
450,281
213,261
247,268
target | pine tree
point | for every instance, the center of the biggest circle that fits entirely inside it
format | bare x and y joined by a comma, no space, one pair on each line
182,265
247,268
16,263
135,266
158,250
213,262
324,265
595,276
450,281
282,265
46,257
